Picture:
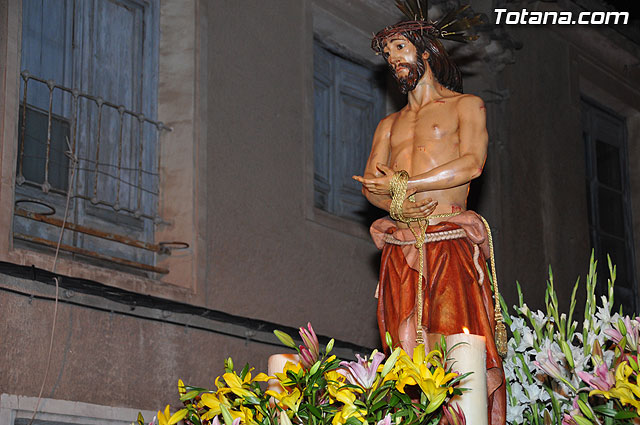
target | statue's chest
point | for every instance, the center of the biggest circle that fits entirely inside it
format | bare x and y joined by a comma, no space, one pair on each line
430,126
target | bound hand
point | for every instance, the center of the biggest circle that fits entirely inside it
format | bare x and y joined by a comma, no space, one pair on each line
378,185
419,209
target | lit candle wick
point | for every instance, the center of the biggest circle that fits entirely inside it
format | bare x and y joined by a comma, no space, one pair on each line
465,330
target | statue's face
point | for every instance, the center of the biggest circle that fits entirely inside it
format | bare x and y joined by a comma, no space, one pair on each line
402,57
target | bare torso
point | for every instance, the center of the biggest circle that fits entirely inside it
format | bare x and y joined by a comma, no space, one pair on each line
423,139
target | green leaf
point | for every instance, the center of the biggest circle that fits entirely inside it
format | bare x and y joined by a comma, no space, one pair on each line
244,371
189,395
625,414
251,399
606,411
379,397
285,339
353,421
140,419
394,400
195,419
314,410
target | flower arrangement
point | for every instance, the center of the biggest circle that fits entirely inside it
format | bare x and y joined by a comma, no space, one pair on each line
322,390
559,375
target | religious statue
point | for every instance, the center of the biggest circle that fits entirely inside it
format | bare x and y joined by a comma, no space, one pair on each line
422,160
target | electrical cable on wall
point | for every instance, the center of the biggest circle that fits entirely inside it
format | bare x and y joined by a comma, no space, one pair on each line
74,161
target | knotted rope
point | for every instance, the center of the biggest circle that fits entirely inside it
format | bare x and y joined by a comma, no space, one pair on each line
398,191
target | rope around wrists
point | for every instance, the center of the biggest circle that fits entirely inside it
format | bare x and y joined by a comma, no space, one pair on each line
398,192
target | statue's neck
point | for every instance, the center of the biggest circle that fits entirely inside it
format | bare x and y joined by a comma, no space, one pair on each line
426,91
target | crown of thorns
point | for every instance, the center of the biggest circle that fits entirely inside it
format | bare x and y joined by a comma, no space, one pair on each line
449,27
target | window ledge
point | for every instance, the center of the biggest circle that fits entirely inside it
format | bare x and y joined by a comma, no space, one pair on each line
109,277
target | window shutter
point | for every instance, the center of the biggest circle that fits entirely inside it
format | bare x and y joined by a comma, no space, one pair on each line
348,103
609,204
323,122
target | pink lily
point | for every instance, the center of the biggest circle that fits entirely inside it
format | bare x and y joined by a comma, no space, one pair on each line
362,372
602,380
625,328
568,418
454,414
550,366
386,420
306,358
311,341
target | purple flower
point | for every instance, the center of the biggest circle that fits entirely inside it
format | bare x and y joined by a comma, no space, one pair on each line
602,380
362,372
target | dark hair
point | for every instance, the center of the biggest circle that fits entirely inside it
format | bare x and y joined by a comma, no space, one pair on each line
423,36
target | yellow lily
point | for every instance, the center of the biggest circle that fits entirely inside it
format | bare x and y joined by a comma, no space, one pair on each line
213,402
335,380
416,371
165,418
237,386
290,400
295,368
181,389
347,397
245,414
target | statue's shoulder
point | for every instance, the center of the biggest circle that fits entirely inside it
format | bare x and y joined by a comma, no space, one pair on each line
389,119
468,100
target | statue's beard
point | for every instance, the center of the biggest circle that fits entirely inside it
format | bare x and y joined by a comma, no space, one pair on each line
409,81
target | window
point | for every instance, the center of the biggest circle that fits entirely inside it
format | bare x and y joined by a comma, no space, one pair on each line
178,33
348,104
89,85
609,201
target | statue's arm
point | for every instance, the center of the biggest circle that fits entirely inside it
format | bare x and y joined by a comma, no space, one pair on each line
377,167
380,151
472,132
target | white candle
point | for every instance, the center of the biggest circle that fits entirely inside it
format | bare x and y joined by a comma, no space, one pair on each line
275,365
470,356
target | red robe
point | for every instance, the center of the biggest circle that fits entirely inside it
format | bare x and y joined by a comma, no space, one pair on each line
453,296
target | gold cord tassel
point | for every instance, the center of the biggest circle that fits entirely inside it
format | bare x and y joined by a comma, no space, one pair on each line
501,330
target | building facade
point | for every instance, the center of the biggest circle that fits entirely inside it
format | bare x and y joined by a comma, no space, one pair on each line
205,150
